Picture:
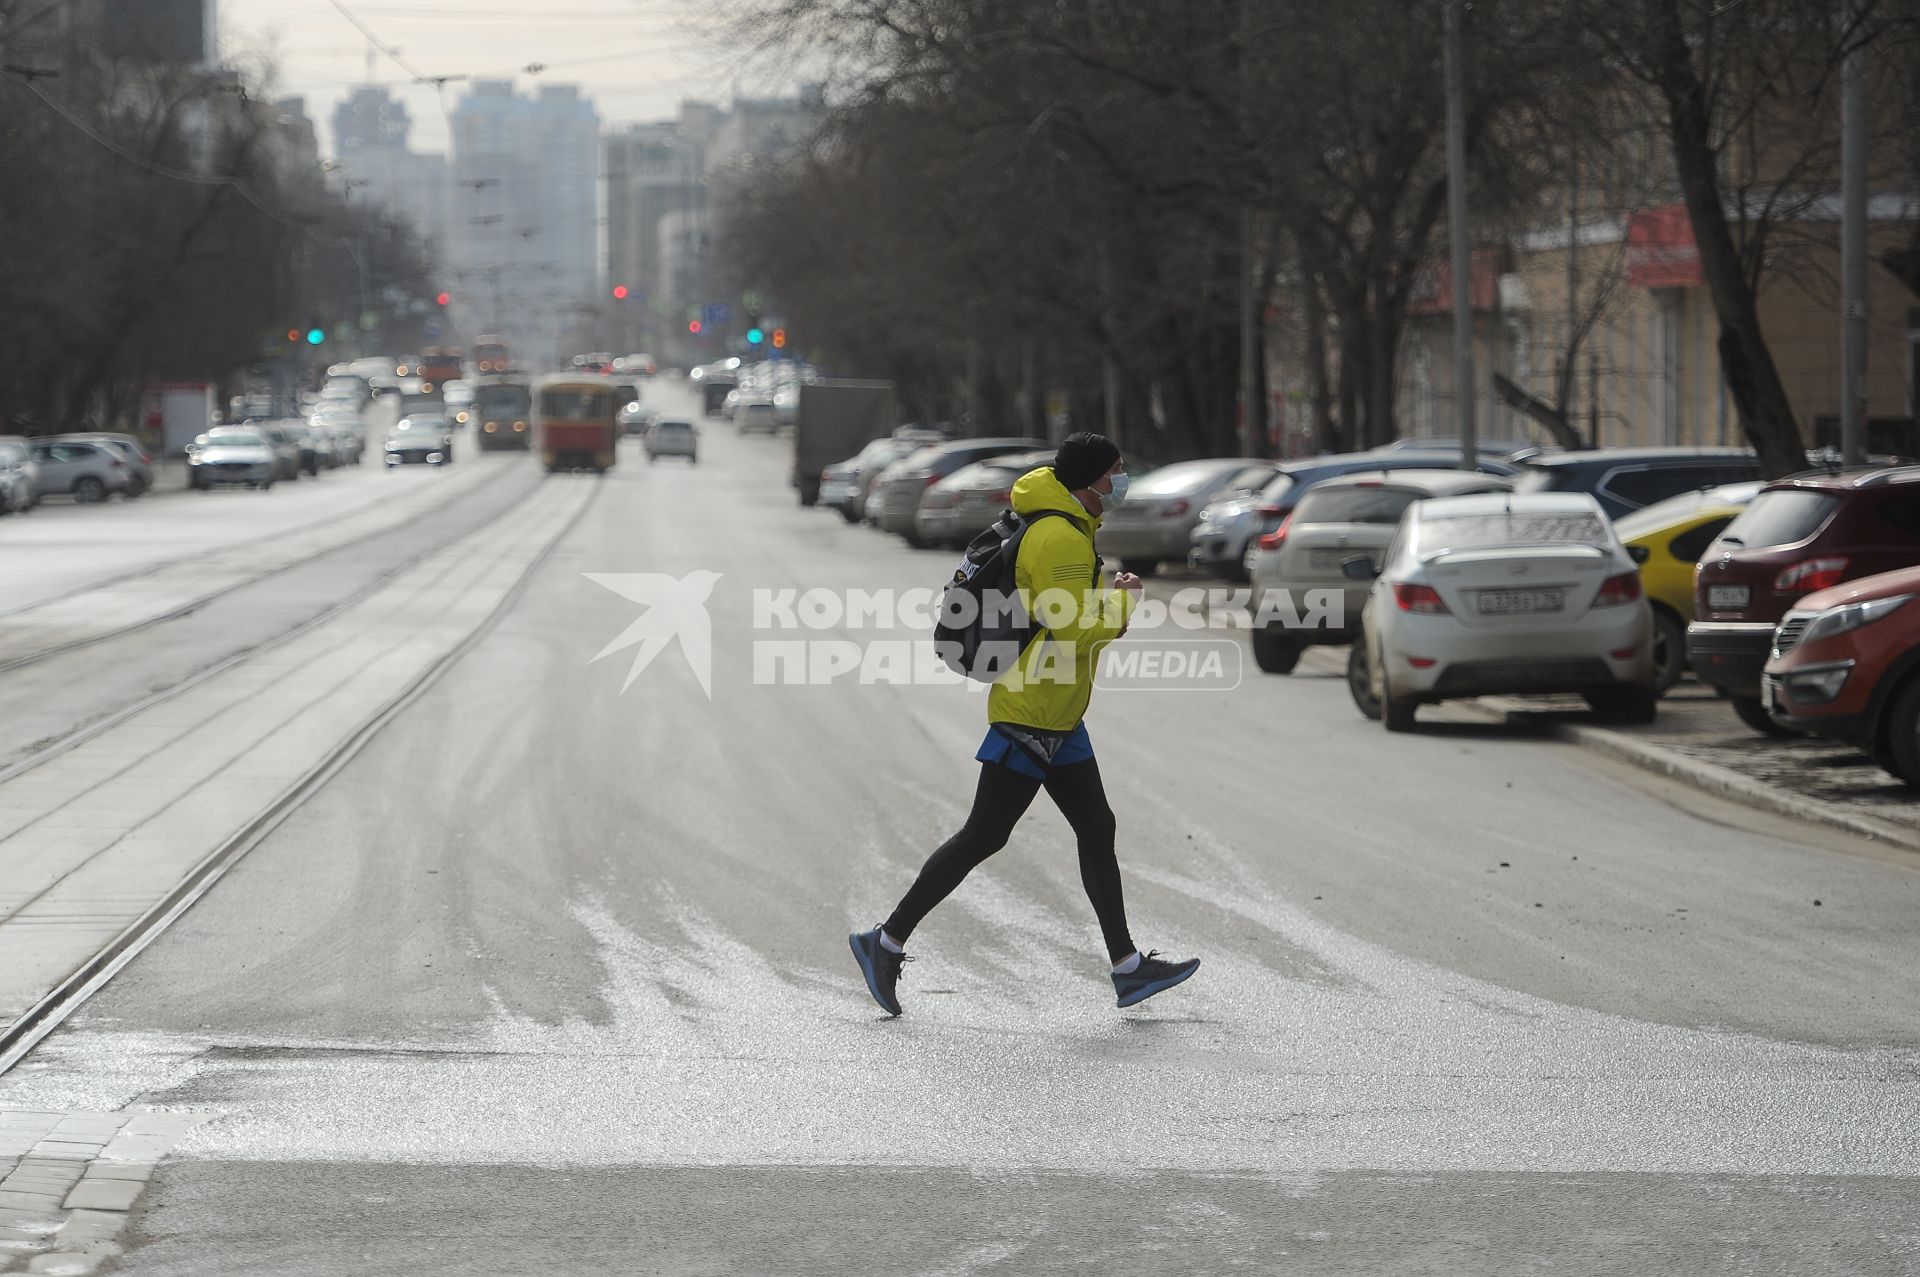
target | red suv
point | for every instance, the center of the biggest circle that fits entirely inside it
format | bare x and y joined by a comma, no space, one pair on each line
1846,664
1807,533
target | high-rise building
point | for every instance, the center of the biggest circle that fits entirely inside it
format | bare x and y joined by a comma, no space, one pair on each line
373,165
523,239
650,170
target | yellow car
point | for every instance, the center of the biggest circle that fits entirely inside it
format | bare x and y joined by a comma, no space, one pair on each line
1673,534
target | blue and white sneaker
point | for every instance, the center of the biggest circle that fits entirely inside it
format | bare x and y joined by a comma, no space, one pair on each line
1149,978
880,965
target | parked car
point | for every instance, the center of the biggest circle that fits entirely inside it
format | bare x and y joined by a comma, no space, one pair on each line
966,502
286,455
1227,538
1801,535
908,479
1674,534
1845,663
80,468
843,484
132,451
673,438
1498,449
1626,479
19,475
1156,522
420,439
1347,515
231,455
1503,594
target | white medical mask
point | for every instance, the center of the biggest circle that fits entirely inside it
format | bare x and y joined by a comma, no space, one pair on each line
1119,492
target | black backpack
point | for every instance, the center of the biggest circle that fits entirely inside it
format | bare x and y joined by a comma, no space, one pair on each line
982,629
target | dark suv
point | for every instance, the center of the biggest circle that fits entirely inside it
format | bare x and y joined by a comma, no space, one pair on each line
1626,479
1802,534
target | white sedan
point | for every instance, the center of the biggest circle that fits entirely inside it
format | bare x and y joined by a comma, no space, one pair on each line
1503,595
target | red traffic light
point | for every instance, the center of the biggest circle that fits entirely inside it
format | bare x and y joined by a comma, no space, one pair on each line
620,292
779,339
693,326
444,298
293,334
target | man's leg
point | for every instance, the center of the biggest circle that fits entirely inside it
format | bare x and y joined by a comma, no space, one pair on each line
1077,791
1001,798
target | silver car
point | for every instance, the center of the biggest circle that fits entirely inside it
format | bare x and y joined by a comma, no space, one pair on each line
906,481
19,475
1155,524
131,450
1302,594
231,455
673,438
82,469
966,502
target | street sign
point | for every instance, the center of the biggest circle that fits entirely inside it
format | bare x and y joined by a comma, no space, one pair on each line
716,315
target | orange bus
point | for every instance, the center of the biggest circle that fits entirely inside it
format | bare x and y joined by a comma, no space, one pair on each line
574,422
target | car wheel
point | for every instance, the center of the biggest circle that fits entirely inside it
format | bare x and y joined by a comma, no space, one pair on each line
1901,731
1755,715
846,512
88,490
1275,653
1360,681
1139,567
1669,650
917,541
1627,705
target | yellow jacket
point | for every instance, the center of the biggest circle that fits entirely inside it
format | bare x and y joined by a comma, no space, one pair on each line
1057,574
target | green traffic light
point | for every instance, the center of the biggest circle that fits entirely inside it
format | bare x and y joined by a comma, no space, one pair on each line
315,336
754,336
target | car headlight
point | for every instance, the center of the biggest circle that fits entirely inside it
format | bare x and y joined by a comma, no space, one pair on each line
1851,616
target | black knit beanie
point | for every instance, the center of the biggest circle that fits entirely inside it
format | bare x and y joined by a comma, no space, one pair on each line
1083,458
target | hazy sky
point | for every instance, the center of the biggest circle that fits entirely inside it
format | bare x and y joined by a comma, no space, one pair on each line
635,58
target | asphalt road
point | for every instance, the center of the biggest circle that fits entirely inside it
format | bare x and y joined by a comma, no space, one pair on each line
553,977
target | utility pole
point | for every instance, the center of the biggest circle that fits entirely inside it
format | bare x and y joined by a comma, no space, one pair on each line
1457,217
1252,419
1853,239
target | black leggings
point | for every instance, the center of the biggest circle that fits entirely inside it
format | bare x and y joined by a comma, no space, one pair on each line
1002,798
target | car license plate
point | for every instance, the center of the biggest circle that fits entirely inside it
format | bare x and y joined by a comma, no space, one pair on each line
1327,558
1519,602
1728,598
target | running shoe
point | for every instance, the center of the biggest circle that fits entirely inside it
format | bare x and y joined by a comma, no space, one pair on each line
1147,979
880,965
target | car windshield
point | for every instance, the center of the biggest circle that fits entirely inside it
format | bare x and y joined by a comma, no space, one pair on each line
234,441
1520,527
503,399
672,427
1781,517
1354,505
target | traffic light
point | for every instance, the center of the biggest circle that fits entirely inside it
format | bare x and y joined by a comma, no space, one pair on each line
755,336
694,326
316,335
779,339
619,292
443,298
294,335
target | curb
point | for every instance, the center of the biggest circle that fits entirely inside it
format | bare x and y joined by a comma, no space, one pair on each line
1727,783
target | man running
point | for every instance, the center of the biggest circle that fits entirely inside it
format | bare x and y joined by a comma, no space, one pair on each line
1035,737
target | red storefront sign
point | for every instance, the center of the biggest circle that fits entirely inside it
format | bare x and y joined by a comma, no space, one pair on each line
1432,292
1661,252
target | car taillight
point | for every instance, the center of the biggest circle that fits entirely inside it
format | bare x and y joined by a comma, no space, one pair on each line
1000,496
1624,588
930,480
1278,537
1410,596
1811,575
1174,509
